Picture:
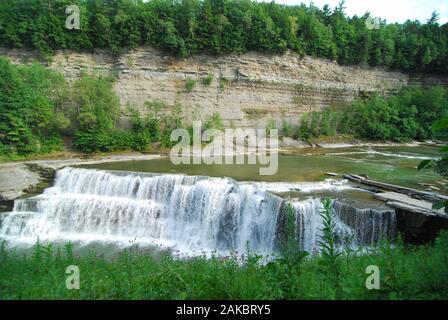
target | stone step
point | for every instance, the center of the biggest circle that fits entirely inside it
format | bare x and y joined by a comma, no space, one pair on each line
401,201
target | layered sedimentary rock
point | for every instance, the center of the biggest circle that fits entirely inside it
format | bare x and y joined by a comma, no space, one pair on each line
246,90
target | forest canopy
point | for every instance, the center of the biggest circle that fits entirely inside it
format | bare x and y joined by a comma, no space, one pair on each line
187,27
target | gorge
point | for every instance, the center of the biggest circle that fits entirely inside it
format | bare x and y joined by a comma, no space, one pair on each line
248,90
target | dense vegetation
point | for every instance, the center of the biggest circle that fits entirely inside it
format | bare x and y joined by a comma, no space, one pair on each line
186,27
439,165
405,273
38,111
30,98
405,116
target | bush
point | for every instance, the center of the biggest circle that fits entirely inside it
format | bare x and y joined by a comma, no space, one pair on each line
190,84
214,122
405,116
207,81
223,82
30,97
94,140
288,130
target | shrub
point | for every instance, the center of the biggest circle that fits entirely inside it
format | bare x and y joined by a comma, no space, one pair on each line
214,122
190,84
207,81
29,100
405,116
223,82
330,254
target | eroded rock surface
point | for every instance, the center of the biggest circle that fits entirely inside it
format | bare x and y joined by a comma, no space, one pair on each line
248,90
16,180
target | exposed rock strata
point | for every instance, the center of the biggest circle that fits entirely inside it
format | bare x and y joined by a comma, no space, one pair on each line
247,90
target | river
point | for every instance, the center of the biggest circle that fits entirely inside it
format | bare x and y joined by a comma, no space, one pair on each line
220,208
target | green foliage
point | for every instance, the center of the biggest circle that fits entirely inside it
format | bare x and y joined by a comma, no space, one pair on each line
223,82
190,84
187,27
288,129
30,98
272,125
94,114
207,81
38,110
287,267
214,122
405,116
406,273
156,126
439,165
330,260
303,132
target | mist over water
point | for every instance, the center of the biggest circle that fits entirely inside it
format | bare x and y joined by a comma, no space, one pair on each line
189,214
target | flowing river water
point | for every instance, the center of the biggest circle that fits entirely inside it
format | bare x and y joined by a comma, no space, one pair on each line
222,208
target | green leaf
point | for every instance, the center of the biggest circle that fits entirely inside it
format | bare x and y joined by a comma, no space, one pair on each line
444,149
424,164
440,205
440,125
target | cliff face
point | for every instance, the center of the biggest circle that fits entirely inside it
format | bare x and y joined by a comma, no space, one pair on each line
247,90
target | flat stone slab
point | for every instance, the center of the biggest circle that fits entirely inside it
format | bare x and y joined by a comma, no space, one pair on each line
15,179
395,199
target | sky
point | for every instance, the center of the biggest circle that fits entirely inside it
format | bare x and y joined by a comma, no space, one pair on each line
391,10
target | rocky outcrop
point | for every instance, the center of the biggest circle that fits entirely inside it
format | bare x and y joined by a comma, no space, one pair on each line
247,90
418,228
16,180
19,179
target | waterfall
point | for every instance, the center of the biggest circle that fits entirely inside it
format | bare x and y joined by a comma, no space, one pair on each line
369,225
354,227
185,213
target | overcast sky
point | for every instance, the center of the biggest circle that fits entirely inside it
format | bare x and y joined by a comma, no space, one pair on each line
391,10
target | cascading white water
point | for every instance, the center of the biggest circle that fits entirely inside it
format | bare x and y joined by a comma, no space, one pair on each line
309,222
354,227
189,214
369,225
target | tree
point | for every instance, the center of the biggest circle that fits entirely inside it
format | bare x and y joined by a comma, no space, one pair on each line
29,99
440,165
187,27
